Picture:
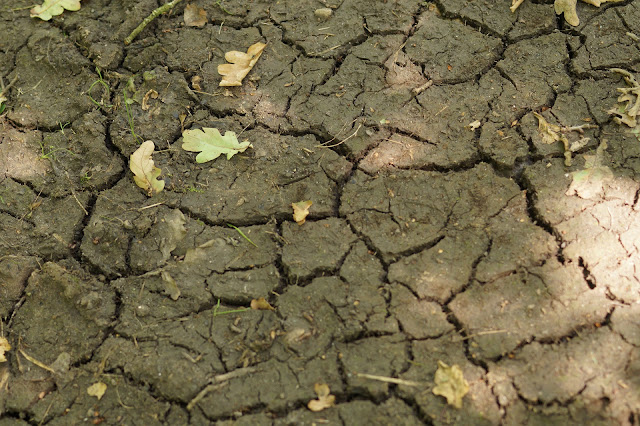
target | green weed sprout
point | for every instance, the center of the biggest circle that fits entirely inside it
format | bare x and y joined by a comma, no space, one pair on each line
48,152
104,84
231,311
241,234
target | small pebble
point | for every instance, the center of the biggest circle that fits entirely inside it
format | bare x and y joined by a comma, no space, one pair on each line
323,13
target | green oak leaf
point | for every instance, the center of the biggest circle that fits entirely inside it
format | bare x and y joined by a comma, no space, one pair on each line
211,144
51,8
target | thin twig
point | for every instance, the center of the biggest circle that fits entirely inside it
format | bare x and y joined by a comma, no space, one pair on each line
8,86
219,382
36,362
388,379
149,207
422,88
482,333
73,193
159,11
342,141
203,393
233,374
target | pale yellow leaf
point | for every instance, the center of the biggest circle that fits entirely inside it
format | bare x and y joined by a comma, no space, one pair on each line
194,16
325,399
51,8
627,111
4,347
451,384
240,64
301,211
515,4
568,8
170,286
549,133
97,389
144,171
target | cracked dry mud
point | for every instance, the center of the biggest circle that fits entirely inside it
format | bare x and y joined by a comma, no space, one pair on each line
428,239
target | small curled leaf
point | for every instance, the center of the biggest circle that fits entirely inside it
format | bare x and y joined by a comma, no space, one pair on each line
145,173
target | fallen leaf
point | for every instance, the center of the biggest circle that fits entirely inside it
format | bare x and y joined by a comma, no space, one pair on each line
144,171
568,7
323,13
474,125
51,8
451,384
211,144
550,133
97,389
195,82
325,399
4,347
145,100
261,304
589,183
628,109
515,4
194,16
240,64
170,286
301,211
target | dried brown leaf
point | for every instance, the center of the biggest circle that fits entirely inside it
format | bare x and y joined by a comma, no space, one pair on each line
240,64
628,109
261,304
325,399
301,211
4,347
145,100
97,389
194,16
170,286
144,171
568,8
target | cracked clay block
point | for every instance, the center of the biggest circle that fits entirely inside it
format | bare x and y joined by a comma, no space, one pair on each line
547,302
410,209
431,46
89,308
315,247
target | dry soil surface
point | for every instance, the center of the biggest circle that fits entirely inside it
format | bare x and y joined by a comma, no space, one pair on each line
443,227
